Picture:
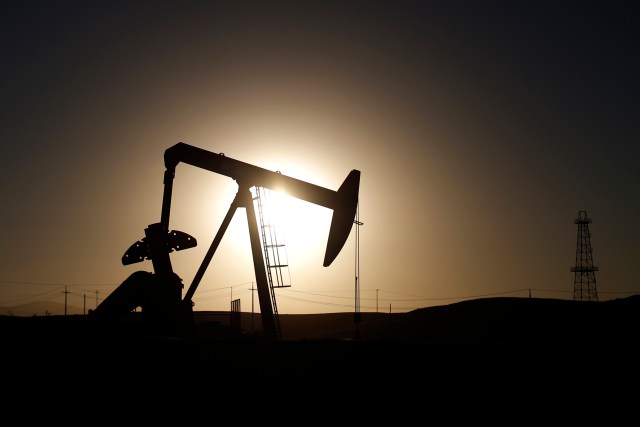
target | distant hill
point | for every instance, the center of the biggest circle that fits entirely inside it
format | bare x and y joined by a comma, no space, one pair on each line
500,320
40,309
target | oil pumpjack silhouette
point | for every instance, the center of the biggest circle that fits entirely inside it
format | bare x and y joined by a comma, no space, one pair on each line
159,294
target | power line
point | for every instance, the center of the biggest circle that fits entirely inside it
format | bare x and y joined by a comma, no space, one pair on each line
82,287
13,282
324,299
417,298
26,299
340,305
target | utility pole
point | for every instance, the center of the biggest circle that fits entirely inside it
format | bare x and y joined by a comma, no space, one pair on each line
96,299
65,292
377,300
389,323
253,328
84,303
357,317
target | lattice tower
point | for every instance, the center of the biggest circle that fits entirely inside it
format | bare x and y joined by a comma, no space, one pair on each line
584,279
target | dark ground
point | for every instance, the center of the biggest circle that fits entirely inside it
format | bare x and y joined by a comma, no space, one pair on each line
504,345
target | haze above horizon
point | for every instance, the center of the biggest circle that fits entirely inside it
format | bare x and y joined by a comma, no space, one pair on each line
480,131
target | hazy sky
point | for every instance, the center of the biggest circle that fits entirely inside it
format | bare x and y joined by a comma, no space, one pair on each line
480,130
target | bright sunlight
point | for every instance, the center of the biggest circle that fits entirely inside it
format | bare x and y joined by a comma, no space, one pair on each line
298,227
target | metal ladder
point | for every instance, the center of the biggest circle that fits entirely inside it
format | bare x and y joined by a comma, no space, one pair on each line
274,259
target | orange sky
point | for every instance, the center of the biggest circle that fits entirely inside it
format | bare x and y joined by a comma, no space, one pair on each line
480,132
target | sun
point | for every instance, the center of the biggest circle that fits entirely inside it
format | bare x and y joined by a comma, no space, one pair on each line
297,227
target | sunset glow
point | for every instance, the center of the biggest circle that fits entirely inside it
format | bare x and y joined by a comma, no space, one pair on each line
480,132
